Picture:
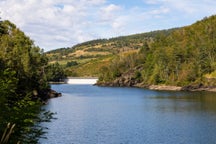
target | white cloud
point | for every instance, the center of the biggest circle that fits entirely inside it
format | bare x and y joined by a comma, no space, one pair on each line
52,23
63,23
190,7
162,10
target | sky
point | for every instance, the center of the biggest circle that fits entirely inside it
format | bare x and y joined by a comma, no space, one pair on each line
56,24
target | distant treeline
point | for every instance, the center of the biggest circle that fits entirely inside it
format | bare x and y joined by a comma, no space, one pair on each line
121,39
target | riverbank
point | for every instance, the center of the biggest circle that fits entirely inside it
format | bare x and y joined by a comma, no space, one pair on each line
164,87
52,82
185,88
45,95
198,87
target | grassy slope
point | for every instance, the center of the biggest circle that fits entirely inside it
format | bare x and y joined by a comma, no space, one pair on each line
93,55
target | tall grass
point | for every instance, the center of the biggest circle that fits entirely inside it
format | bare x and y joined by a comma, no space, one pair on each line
6,135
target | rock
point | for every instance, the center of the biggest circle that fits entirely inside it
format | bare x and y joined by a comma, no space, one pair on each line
165,87
198,87
53,94
44,95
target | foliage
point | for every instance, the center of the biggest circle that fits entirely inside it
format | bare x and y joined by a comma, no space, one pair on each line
179,56
182,57
55,72
71,63
22,72
90,68
94,52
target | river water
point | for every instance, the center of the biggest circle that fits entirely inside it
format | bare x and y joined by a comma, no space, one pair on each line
102,115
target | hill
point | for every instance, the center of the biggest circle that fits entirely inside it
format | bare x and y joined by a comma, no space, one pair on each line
186,56
180,56
86,59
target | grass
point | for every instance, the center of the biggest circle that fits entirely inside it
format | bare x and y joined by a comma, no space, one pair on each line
92,67
7,133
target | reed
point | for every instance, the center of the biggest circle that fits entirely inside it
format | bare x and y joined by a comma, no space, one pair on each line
7,132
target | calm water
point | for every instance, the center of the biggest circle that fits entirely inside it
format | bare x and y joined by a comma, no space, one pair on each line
99,115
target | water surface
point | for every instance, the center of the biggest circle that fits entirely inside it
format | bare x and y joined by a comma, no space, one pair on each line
101,115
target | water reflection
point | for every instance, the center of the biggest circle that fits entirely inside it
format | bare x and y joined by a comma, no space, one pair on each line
185,101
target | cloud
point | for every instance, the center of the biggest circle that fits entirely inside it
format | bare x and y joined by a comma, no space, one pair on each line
109,12
52,23
190,7
63,23
112,17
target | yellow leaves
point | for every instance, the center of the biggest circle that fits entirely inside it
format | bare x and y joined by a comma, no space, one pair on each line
211,75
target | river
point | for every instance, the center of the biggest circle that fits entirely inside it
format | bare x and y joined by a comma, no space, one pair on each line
89,114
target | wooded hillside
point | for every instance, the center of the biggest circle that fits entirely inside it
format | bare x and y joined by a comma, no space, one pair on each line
186,56
180,56
86,59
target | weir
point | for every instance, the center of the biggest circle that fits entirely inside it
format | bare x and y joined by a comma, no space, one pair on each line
81,80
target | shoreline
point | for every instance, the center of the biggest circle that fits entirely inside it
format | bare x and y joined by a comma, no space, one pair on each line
185,88
164,87
52,82
191,88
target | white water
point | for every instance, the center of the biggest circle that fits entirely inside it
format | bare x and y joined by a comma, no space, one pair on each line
81,80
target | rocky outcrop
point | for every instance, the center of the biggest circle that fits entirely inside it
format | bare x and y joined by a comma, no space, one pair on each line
53,94
130,79
165,87
127,79
127,83
45,94
199,87
121,82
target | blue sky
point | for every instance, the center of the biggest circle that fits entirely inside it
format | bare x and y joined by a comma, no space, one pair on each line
63,23
127,3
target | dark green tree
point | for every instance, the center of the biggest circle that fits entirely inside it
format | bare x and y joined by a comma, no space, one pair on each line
21,76
55,72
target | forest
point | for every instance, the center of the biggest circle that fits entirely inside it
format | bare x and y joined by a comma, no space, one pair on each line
23,86
186,56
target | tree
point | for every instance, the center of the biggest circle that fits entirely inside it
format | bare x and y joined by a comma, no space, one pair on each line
55,72
180,56
21,73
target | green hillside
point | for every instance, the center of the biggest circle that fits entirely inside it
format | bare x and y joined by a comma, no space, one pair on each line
186,56
179,56
86,59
